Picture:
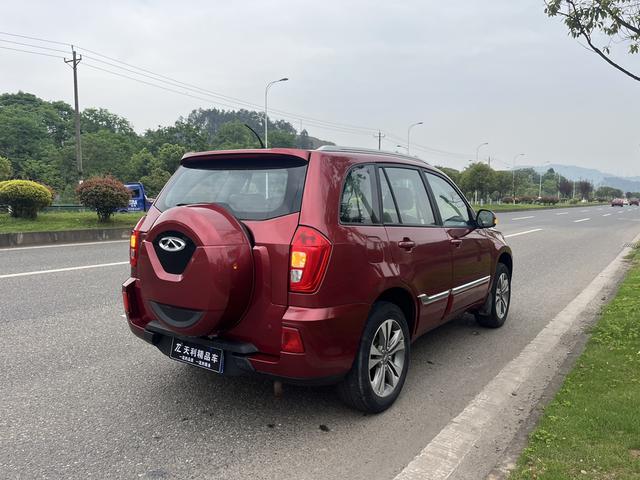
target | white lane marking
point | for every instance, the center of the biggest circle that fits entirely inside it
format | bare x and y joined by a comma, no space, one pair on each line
606,214
522,233
61,245
563,213
523,218
582,211
444,455
67,269
581,220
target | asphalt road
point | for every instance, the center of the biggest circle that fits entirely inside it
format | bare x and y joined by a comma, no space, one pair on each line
82,397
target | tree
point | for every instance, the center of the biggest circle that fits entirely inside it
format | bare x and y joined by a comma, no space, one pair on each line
5,168
478,177
170,155
452,173
608,193
585,188
617,20
234,135
565,187
95,119
104,194
303,141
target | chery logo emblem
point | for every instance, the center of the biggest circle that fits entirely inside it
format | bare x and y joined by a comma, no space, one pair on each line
172,244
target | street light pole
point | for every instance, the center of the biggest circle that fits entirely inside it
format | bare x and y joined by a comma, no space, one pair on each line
409,136
478,149
514,175
266,112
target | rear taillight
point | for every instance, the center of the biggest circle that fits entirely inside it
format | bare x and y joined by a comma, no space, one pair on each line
134,243
308,259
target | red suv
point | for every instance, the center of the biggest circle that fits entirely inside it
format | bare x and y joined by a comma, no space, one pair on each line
311,267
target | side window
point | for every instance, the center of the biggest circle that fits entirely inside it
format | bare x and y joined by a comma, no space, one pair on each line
389,211
452,207
411,196
356,205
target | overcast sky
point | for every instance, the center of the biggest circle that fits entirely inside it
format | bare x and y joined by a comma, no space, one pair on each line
473,71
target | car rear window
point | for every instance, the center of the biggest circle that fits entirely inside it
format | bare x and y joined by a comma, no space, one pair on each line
251,188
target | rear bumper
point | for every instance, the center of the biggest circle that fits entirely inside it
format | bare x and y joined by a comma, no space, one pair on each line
331,338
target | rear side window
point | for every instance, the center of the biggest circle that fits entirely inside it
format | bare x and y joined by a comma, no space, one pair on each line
410,196
357,201
251,188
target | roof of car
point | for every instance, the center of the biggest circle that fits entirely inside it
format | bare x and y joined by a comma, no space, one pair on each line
304,154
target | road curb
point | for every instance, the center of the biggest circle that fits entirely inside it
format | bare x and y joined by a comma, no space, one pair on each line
66,236
485,428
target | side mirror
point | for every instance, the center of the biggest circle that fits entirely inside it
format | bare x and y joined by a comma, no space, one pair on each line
486,219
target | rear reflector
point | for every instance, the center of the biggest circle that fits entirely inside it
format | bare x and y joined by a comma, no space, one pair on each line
291,340
125,301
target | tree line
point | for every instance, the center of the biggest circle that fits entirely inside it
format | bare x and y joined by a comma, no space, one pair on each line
481,182
37,142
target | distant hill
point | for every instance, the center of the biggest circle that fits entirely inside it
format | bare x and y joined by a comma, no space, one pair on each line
597,177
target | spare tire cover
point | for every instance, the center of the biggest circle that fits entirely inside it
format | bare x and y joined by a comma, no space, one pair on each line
196,269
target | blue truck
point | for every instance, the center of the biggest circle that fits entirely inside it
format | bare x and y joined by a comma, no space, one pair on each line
139,201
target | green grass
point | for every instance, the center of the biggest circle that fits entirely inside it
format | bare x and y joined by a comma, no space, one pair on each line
508,207
591,430
58,221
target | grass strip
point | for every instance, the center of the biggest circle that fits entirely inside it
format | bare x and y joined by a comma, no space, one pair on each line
591,430
59,221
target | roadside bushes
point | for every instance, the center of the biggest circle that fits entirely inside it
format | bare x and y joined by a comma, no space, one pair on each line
104,194
24,197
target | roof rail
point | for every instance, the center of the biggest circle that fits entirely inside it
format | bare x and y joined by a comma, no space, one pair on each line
371,151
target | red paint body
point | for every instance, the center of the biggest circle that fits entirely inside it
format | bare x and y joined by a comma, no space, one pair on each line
366,264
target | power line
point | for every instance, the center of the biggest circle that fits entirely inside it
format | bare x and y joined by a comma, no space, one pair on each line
29,51
33,46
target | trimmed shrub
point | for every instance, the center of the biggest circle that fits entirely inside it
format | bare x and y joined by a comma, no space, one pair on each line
509,200
24,197
104,194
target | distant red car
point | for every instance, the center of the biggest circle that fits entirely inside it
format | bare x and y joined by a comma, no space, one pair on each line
617,202
634,201
311,266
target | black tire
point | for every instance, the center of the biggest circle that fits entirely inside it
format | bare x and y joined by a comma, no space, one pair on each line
357,390
497,312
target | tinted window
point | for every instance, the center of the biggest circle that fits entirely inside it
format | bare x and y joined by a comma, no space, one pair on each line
389,212
411,196
356,204
453,209
252,189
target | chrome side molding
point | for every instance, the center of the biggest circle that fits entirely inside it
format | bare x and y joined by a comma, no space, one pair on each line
426,300
470,285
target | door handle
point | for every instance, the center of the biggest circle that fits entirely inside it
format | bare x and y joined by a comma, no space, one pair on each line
406,243
456,242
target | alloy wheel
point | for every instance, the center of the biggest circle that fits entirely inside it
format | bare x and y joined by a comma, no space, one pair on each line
386,358
502,295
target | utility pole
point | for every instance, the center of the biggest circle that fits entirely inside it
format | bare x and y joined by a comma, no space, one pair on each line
74,64
379,136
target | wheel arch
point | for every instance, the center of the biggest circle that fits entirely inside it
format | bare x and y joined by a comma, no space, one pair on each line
405,301
505,257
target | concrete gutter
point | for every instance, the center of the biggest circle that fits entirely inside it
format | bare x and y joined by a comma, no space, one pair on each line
66,236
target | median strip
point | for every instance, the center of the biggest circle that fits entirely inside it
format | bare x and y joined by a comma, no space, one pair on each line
590,430
522,233
67,269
